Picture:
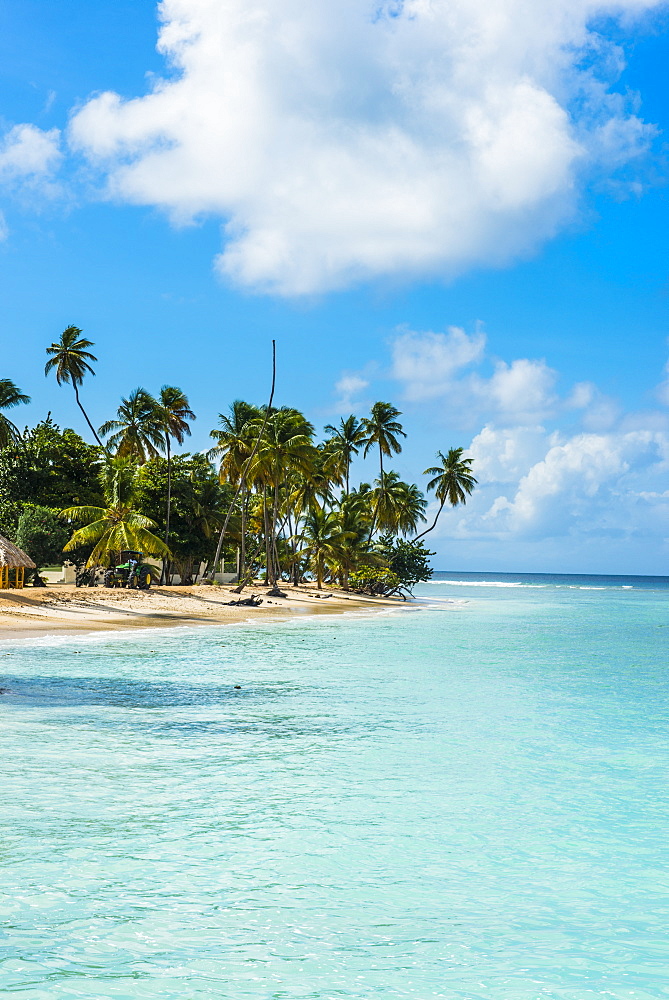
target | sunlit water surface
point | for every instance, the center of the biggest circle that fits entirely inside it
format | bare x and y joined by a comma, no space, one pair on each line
464,801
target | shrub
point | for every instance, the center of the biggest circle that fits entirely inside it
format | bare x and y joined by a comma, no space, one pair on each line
41,535
374,580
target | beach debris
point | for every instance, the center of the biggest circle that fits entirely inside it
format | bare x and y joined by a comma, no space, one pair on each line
275,592
253,601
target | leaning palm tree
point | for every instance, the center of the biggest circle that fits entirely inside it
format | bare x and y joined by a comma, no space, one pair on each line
138,431
70,358
346,441
173,413
119,525
10,396
453,481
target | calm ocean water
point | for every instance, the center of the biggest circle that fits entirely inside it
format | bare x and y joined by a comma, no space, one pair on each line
465,801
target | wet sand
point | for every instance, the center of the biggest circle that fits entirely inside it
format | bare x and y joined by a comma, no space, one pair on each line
61,608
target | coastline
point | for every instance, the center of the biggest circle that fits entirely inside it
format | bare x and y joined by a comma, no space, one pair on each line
66,609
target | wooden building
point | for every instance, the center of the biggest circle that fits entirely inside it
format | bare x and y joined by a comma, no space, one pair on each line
13,565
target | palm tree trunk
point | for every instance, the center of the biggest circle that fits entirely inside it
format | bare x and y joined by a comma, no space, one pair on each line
242,553
291,544
166,564
433,525
376,505
275,565
268,547
93,431
247,464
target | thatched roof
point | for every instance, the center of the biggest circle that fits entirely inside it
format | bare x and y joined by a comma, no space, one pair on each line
11,555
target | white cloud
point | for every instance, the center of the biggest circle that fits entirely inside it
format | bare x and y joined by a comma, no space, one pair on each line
427,362
26,152
524,387
577,485
581,396
433,365
342,142
349,388
29,158
663,388
540,481
503,455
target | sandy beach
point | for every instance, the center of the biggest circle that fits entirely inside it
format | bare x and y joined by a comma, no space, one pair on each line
65,608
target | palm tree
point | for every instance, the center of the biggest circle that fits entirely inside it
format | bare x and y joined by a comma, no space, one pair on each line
285,449
235,445
382,429
354,515
10,396
399,506
174,412
70,357
346,441
268,410
453,481
138,432
325,540
119,525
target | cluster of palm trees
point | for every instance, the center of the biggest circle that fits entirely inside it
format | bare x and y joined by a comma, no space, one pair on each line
295,495
294,508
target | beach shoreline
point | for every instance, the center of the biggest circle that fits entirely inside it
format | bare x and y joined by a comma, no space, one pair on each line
63,609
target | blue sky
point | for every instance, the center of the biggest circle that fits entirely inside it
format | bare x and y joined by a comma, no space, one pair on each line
464,214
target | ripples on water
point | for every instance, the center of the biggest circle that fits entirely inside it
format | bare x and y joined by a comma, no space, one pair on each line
466,802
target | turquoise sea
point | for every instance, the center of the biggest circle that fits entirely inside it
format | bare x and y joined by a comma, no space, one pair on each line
464,799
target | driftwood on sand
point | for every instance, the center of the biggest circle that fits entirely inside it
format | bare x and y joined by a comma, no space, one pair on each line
253,601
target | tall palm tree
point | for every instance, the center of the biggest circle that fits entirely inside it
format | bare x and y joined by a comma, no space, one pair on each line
10,396
70,358
286,448
345,441
382,428
173,412
306,491
249,460
138,431
233,439
119,525
235,445
453,481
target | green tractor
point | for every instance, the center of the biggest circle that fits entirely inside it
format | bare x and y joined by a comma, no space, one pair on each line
130,572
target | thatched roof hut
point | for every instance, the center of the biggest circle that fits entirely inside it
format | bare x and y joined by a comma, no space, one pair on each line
13,564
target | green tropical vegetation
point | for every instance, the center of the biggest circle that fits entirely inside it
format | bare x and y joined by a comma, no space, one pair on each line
269,500
119,524
41,533
10,396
